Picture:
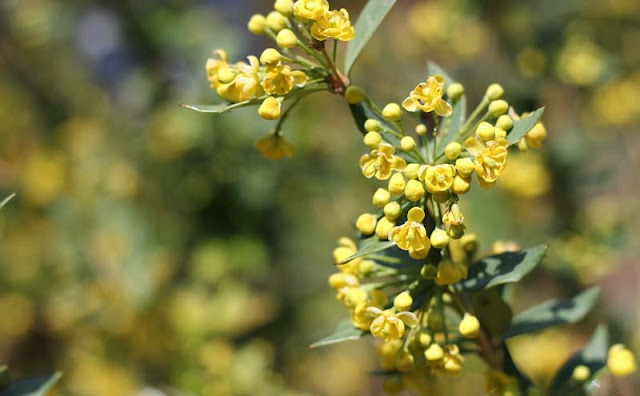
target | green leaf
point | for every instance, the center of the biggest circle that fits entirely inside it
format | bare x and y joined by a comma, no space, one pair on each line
6,200
522,126
37,386
370,18
502,268
343,332
493,313
369,246
593,355
553,312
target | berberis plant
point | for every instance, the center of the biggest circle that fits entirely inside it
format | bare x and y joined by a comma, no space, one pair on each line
410,277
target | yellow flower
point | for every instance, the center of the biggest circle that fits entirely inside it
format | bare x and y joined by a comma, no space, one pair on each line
274,147
360,318
428,97
214,65
414,190
335,25
381,197
280,79
403,301
285,7
396,184
310,9
381,162
244,85
257,24
270,109
387,352
439,238
438,178
620,361
490,157
412,236
366,223
390,326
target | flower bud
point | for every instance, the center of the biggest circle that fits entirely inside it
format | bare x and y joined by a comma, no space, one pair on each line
452,366
403,302
225,75
371,125
276,21
270,109
469,326
404,361
396,184
411,171
381,197
450,272
366,266
285,7
498,108
286,39
465,167
414,191
469,243
494,92
485,131
372,140
366,223
421,129
407,143
392,112
354,94
581,373
456,231
341,279
439,238
455,91
424,338
620,361
504,122
270,57
460,185
383,228
500,133
257,23
453,150
434,352
428,271
392,210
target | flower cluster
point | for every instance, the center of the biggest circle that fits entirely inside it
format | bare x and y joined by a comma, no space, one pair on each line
300,66
404,292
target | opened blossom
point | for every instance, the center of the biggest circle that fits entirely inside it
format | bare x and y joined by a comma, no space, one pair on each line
335,25
381,162
490,158
412,235
427,97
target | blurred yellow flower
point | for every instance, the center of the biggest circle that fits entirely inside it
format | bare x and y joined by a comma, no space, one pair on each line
274,146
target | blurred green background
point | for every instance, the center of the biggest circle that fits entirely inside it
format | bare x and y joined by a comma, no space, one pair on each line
151,250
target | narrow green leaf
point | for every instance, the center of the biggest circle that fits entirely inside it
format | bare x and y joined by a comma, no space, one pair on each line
502,268
343,332
553,312
37,386
593,355
6,200
369,246
524,125
370,18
